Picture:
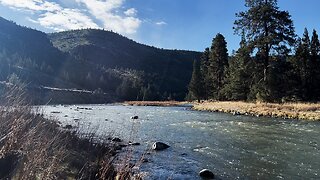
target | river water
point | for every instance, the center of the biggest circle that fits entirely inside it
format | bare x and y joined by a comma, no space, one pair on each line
233,147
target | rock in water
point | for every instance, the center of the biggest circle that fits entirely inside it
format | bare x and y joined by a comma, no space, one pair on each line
68,126
158,146
116,139
206,174
134,144
134,117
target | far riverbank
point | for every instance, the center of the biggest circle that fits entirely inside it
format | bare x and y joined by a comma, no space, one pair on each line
303,111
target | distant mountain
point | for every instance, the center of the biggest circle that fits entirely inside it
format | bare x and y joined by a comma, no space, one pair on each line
98,61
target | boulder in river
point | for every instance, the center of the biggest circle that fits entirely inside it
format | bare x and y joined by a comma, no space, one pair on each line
206,174
158,146
135,117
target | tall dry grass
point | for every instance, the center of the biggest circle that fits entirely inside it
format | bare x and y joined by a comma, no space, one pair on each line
32,147
306,111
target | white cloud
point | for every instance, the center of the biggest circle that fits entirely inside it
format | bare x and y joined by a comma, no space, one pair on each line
161,23
131,12
105,11
52,15
66,19
31,5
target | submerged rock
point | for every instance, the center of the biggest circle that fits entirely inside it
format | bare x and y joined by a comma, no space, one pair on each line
116,139
134,143
55,112
206,174
158,146
68,126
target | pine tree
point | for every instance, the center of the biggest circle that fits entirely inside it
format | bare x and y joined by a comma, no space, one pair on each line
315,46
217,64
238,76
205,60
302,67
296,85
196,83
269,32
315,65
306,67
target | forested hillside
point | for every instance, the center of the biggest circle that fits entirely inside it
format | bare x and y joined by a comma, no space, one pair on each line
95,61
144,72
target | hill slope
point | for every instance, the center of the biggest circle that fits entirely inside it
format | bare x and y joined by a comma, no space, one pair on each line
95,60
170,70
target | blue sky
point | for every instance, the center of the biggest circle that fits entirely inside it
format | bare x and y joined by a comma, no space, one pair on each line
173,24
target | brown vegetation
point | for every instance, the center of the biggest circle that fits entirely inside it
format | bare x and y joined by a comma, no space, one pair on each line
32,147
306,111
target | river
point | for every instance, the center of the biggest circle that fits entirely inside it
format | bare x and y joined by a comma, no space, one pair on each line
233,147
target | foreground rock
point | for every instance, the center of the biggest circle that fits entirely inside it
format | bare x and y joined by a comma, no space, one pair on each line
158,146
206,174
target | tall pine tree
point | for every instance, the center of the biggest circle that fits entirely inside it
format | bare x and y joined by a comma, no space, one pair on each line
302,67
205,60
238,76
269,32
315,71
196,83
217,65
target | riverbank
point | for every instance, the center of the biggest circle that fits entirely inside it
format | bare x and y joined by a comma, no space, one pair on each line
304,111
34,147
154,103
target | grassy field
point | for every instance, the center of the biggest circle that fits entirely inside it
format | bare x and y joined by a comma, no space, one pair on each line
305,111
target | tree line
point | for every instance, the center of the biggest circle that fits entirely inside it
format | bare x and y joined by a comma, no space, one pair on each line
272,64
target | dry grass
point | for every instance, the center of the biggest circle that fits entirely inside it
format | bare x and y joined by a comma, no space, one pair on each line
153,103
305,111
31,147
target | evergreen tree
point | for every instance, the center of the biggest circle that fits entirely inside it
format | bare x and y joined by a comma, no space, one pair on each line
269,32
205,60
196,83
315,71
302,65
297,88
217,64
238,76
306,65
315,46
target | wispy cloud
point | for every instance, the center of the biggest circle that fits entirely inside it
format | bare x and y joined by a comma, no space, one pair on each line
105,11
32,5
108,14
131,12
161,23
